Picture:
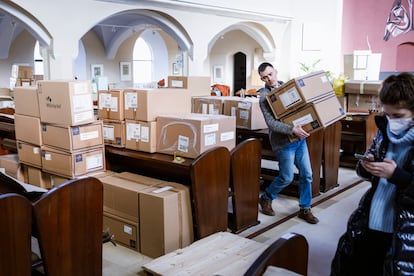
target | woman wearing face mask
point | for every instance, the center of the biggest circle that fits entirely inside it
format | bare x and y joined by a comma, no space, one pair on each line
380,233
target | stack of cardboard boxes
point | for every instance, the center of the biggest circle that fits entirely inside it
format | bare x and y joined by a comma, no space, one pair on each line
308,101
57,136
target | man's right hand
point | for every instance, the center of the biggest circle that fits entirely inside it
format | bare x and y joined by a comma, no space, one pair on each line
299,132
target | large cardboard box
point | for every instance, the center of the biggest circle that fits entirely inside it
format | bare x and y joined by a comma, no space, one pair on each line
316,115
189,135
26,101
66,103
37,177
72,138
111,104
164,219
121,196
72,164
297,92
114,133
177,82
29,154
28,129
147,105
363,104
362,87
141,135
207,104
125,232
22,71
246,110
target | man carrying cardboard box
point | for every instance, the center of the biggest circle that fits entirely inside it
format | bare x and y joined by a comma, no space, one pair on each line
287,153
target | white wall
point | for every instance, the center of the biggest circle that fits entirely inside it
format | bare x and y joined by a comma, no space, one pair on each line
282,20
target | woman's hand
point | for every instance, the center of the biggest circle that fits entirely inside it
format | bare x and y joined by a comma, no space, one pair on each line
383,169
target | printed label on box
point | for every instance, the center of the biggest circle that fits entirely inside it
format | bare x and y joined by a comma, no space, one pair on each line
226,136
290,97
183,143
131,100
89,135
210,139
133,131
303,120
104,100
244,114
114,104
127,229
109,132
145,134
83,116
80,88
94,162
211,128
82,103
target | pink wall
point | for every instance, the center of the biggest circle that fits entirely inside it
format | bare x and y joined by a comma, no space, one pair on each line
367,18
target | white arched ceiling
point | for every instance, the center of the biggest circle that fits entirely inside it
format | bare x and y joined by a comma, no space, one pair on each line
254,30
114,30
13,21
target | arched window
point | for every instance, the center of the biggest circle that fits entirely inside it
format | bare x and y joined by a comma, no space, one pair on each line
142,62
38,61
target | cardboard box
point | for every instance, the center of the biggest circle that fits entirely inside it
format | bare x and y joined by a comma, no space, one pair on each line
29,154
177,82
10,163
72,138
121,197
141,135
164,225
246,110
114,133
26,101
147,105
297,92
72,164
28,129
66,103
37,177
125,232
199,85
111,104
316,115
207,105
362,87
189,135
363,104
24,72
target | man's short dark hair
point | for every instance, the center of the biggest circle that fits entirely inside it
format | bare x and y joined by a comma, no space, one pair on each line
398,90
263,66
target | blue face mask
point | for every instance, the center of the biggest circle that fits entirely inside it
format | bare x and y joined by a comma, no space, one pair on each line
398,125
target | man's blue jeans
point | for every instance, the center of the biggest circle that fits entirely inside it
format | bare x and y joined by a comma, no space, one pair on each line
295,153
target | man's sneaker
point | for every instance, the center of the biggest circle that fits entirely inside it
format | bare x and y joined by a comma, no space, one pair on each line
266,207
306,214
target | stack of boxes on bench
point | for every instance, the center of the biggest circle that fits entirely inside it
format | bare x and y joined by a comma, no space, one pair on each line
58,138
362,97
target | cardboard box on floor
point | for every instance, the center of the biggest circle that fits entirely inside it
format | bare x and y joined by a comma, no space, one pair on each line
141,135
297,92
125,232
166,222
26,101
189,135
71,138
28,129
66,103
37,177
147,105
246,110
73,164
316,115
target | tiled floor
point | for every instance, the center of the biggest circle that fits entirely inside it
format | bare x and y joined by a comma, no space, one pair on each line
333,214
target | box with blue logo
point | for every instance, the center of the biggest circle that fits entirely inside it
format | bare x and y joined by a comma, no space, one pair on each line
298,92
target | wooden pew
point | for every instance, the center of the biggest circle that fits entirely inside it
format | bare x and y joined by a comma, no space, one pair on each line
15,235
245,184
68,219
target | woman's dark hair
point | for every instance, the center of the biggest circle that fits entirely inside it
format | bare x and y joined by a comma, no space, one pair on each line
398,90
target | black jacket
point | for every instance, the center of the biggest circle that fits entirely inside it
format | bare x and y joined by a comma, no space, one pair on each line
400,261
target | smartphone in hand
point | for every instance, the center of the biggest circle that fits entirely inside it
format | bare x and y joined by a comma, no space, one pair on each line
363,157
